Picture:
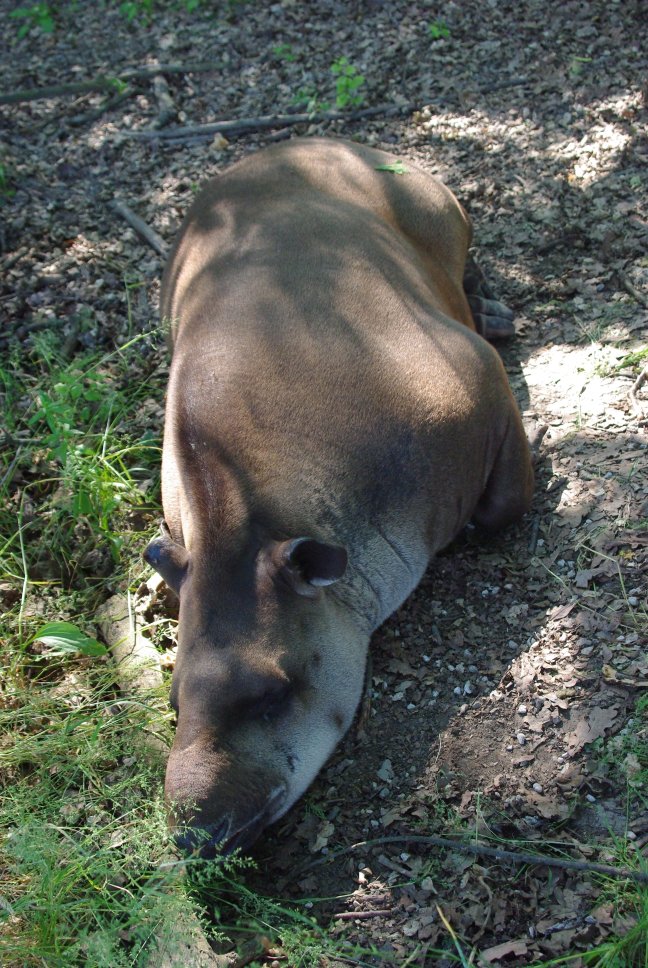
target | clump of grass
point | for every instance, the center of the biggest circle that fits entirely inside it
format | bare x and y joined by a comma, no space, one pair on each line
74,466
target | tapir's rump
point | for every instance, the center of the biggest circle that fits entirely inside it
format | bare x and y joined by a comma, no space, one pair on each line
333,420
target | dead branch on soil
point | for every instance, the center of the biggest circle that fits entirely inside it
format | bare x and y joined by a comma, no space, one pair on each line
87,117
634,390
631,290
137,659
363,915
139,225
103,82
482,850
266,121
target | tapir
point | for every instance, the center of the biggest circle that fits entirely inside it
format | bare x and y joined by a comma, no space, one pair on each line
334,418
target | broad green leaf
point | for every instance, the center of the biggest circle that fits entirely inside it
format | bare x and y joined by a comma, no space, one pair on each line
63,638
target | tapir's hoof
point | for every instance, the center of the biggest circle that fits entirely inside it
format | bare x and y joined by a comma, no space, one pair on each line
493,320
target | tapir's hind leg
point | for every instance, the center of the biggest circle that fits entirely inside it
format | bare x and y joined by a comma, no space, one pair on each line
493,320
509,489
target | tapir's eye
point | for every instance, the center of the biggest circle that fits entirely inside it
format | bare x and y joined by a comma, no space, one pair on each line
273,702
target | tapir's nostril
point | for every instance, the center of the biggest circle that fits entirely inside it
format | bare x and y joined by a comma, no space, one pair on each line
203,840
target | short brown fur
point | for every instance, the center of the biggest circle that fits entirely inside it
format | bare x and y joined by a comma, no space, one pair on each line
327,384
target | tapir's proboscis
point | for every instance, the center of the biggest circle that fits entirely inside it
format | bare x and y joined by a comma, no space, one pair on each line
334,418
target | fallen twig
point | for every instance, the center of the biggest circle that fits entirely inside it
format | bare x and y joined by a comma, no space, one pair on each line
103,82
635,388
362,915
482,850
139,225
631,290
87,117
266,121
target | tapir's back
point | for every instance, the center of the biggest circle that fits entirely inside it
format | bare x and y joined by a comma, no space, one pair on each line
323,346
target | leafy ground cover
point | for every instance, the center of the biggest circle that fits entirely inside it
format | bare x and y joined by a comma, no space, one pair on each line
507,701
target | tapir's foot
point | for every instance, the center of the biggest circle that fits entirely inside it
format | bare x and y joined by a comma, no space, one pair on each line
493,319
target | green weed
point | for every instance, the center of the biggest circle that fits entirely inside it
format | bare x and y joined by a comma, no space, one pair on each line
308,98
347,83
284,52
438,30
135,9
72,455
6,189
38,15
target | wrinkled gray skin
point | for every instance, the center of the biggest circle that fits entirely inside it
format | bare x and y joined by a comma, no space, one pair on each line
333,420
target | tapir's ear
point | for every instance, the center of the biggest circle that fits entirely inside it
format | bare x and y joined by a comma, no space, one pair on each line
309,564
168,558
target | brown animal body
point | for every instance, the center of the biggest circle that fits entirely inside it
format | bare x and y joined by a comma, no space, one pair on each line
333,420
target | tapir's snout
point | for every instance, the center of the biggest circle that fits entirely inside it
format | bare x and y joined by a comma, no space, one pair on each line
225,836
219,801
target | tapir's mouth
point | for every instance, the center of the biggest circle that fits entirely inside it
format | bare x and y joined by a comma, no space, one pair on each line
223,837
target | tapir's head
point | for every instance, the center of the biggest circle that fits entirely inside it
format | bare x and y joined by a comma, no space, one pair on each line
268,676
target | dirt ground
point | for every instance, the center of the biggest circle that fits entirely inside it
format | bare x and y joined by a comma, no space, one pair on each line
514,656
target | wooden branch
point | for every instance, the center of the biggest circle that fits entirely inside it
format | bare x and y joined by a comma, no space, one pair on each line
482,850
267,121
634,390
87,117
139,225
103,82
60,90
363,915
137,661
632,290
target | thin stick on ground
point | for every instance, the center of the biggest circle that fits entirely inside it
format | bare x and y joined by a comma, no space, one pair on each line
265,121
103,82
139,225
482,850
635,388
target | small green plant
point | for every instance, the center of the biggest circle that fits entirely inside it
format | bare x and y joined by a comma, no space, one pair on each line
308,98
37,15
347,83
284,52
133,9
6,190
633,359
578,64
438,30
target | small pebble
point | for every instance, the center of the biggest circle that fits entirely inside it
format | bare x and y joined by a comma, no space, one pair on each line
537,787
509,748
468,688
521,738
633,600
522,710
590,798
631,835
